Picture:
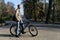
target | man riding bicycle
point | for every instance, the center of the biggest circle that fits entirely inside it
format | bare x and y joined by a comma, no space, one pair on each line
19,20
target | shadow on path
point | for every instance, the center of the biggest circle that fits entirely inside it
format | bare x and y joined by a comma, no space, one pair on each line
5,35
8,35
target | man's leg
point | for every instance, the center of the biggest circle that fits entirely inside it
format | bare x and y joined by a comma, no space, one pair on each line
17,28
22,27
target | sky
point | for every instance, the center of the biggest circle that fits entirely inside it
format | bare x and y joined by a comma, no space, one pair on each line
16,2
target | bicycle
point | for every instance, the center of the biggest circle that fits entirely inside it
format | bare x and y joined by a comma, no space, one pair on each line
32,29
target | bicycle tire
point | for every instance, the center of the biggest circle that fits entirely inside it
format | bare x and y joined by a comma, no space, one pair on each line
14,25
30,27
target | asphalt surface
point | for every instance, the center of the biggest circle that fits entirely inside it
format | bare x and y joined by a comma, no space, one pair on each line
44,33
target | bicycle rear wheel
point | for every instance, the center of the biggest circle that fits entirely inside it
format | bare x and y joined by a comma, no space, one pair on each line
33,30
13,30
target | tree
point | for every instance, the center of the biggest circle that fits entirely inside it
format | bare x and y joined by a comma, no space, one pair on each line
57,14
49,11
30,9
6,11
2,11
10,8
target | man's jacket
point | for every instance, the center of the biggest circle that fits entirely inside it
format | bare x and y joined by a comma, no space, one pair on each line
18,15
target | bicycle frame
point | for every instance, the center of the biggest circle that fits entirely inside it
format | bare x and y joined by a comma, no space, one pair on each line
27,24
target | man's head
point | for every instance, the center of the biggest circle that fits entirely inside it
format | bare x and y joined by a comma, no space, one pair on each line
18,6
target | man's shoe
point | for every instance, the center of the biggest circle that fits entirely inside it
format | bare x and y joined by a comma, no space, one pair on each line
16,35
23,32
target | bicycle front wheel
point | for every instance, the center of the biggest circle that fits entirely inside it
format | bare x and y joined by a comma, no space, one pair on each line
33,30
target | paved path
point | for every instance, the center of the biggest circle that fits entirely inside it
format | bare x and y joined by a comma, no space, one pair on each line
45,33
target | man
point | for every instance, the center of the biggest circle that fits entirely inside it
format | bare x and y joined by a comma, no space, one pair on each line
19,20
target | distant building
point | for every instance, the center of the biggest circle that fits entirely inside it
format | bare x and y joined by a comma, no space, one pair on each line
1,1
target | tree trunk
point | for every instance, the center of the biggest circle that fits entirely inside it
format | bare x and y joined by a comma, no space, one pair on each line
49,11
